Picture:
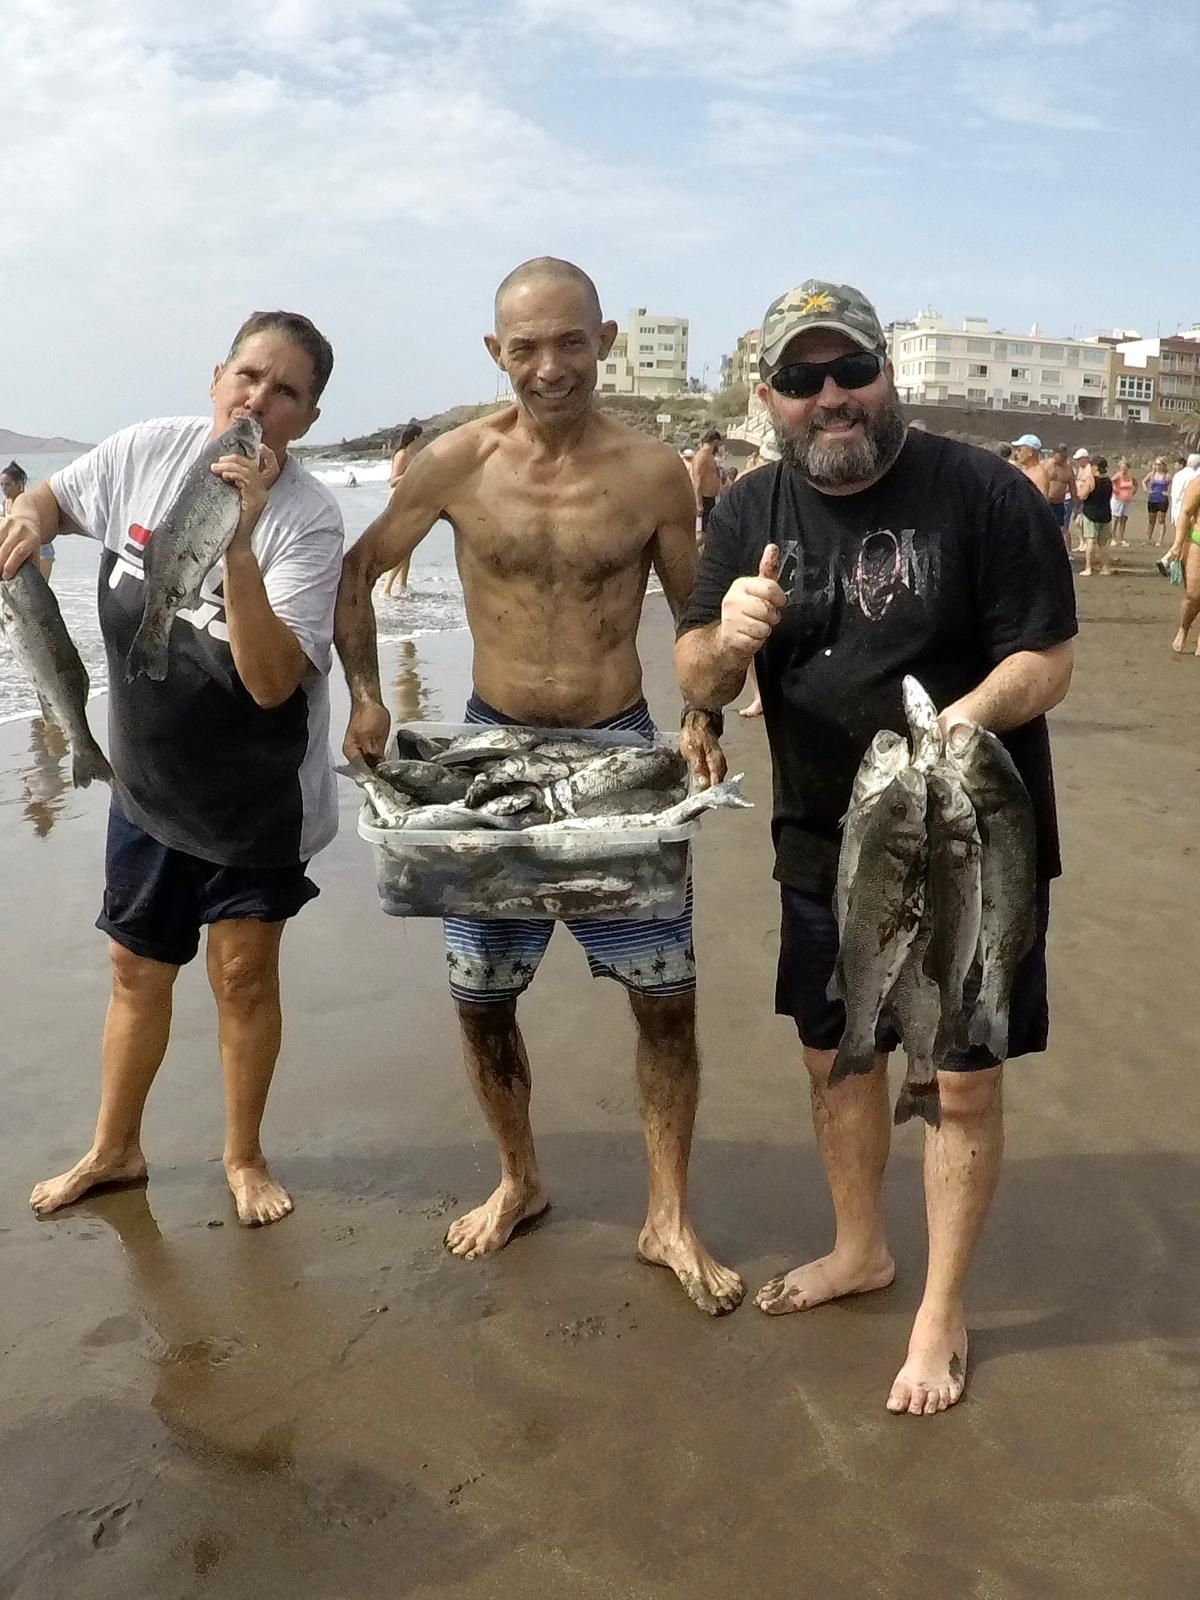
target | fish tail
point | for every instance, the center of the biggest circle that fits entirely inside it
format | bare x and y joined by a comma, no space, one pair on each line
147,655
854,1059
88,762
922,1100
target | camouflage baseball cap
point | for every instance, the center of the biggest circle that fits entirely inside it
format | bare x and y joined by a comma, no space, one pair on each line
817,304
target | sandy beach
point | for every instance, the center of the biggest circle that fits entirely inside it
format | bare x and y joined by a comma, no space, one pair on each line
336,1409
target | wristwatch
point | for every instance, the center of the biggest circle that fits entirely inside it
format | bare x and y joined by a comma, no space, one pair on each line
716,718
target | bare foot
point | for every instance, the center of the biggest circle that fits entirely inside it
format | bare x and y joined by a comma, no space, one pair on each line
754,709
93,1172
828,1278
490,1226
259,1198
1179,641
934,1376
713,1288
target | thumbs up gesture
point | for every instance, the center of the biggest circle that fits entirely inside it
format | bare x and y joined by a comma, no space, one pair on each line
751,608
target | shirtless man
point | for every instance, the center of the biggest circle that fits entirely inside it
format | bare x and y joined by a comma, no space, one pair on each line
706,477
559,514
1027,454
1186,550
1061,481
410,443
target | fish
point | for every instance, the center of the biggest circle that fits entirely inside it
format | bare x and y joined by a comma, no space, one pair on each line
631,801
30,616
916,1009
728,793
510,802
186,545
391,805
427,781
527,768
882,918
886,755
489,743
929,743
953,892
1008,875
450,818
652,767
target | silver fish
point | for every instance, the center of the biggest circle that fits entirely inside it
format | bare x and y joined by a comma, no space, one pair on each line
186,546
1008,874
451,818
886,755
916,1009
928,741
488,743
569,749
728,793
653,767
500,775
427,781
884,913
631,801
954,895
510,802
390,805
38,635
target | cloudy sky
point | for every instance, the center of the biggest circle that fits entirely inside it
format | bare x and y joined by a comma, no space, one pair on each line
380,164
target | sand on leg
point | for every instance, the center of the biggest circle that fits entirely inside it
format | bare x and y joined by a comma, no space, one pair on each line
668,1081
962,1167
498,1067
136,1029
243,969
853,1124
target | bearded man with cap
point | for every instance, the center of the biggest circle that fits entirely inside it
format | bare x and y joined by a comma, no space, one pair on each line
867,552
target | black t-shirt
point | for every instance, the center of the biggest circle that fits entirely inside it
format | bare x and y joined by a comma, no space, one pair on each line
949,564
1098,505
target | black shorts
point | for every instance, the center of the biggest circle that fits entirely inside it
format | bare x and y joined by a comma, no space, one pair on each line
706,510
1062,512
157,899
808,943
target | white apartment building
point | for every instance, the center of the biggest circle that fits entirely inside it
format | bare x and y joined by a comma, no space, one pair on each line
938,362
649,357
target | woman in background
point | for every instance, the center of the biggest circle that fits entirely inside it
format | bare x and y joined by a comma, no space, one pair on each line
1157,484
12,483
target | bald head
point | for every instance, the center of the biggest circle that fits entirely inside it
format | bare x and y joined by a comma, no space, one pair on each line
548,270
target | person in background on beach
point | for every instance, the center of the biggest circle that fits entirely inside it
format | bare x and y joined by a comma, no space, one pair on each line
1093,487
13,481
730,478
1080,463
560,513
706,477
1027,455
1124,488
1157,487
1005,452
224,787
409,445
1059,475
1186,550
804,572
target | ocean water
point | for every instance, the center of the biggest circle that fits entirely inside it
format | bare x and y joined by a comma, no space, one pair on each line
433,602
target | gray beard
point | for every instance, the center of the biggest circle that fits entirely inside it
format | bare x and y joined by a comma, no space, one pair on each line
840,464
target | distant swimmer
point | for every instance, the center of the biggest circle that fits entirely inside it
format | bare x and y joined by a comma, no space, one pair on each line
13,481
351,481
1027,455
224,788
559,513
706,476
410,443
1060,479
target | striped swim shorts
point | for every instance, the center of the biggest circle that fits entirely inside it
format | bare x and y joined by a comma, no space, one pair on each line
494,961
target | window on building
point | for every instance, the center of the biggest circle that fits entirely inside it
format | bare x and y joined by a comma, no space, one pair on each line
610,366
1095,358
976,394
977,369
942,368
668,364
1050,352
1019,374
979,347
942,342
645,364
1049,400
1018,399
1051,377
1092,380
1001,350
646,349
1018,349
1133,388
608,388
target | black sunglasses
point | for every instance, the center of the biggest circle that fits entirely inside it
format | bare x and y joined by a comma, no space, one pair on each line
804,379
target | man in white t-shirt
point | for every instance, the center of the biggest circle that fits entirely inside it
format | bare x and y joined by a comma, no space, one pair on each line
223,788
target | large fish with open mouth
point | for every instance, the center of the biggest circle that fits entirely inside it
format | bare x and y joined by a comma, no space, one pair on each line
186,545
31,618
1008,874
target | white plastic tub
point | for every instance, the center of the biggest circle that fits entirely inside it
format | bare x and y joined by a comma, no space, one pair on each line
632,874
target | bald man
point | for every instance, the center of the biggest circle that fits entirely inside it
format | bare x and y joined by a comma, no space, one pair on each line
559,514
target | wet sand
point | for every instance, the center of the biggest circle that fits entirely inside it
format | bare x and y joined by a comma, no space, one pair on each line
336,1409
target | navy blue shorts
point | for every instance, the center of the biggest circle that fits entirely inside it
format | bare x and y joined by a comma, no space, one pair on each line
157,899
808,944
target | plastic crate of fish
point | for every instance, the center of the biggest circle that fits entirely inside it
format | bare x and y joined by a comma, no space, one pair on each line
608,873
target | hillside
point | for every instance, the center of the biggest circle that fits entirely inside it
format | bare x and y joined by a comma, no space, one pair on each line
16,444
